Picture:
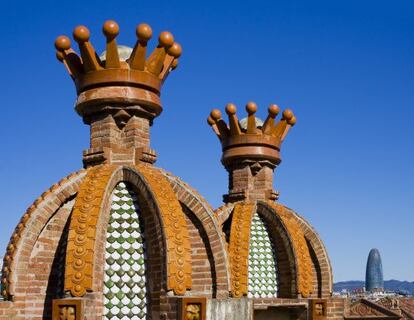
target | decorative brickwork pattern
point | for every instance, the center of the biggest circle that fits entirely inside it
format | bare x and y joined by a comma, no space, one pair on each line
79,260
204,218
323,281
262,261
204,275
15,240
113,143
322,271
43,272
222,213
303,259
125,288
175,229
336,308
82,233
240,238
239,247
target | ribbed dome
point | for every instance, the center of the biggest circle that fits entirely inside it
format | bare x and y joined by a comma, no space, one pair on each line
117,231
273,252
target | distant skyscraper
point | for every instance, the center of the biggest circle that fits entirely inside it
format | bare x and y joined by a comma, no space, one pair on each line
374,278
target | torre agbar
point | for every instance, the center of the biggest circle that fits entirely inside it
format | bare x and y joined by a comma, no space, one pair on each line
124,239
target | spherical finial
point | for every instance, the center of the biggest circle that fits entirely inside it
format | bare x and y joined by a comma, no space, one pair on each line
144,32
81,34
251,107
273,110
210,121
166,39
287,114
215,114
292,121
175,50
231,109
62,43
110,29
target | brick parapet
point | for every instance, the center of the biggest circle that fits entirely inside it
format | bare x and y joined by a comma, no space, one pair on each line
336,308
263,303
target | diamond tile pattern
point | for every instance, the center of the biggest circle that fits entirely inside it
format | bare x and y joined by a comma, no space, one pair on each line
262,262
125,292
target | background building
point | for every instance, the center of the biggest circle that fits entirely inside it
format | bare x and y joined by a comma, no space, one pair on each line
374,279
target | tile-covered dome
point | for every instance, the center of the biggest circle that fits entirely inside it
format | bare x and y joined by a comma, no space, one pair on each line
125,238
274,252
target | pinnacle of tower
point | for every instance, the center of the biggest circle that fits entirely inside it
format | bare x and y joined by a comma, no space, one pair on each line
251,149
118,92
251,138
121,75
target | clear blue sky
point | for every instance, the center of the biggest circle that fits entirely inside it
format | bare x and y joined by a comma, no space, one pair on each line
345,67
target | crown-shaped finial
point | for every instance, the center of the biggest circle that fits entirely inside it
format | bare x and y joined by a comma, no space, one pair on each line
251,139
121,75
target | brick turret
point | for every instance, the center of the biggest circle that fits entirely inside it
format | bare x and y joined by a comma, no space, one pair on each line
118,92
251,150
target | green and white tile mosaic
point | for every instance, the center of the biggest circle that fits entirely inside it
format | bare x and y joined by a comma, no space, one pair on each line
125,291
262,262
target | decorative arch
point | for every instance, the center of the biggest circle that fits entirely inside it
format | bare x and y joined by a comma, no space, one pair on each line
239,248
303,262
294,261
179,265
28,230
125,272
79,263
90,218
319,255
202,210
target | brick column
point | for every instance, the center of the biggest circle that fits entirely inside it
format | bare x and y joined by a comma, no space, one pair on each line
118,139
251,150
250,180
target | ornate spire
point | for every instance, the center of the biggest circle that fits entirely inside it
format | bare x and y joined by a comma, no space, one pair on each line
119,91
135,80
251,150
254,140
